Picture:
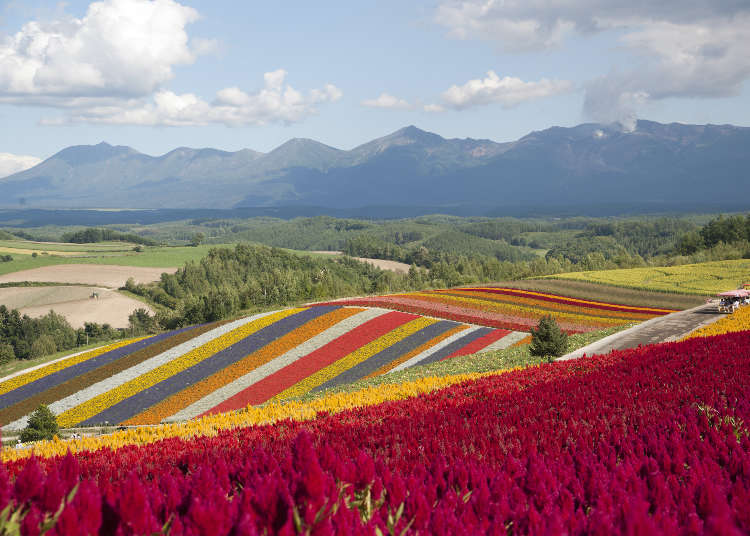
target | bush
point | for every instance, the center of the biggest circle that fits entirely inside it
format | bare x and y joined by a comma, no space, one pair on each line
42,425
548,340
141,322
42,346
6,353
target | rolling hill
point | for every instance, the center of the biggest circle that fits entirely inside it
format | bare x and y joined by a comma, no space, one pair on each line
587,164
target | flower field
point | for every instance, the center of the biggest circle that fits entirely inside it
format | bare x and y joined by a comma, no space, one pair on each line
510,308
225,366
652,440
706,278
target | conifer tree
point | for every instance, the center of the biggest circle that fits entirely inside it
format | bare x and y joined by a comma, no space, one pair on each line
548,340
42,425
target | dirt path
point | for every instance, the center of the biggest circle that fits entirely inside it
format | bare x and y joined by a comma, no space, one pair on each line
671,327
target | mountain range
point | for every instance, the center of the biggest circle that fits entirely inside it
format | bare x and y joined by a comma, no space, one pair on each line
576,166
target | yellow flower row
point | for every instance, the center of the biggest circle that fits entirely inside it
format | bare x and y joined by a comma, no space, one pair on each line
354,358
270,413
111,397
737,321
32,376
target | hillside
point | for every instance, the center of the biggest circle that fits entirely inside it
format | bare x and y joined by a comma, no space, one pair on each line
273,356
586,164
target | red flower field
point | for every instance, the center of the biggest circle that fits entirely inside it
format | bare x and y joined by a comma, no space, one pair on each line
648,441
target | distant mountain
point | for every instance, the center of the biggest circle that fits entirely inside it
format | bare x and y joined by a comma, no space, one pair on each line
583,165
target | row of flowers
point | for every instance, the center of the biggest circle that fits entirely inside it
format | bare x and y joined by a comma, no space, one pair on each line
556,303
492,313
543,296
646,441
214,368
93,411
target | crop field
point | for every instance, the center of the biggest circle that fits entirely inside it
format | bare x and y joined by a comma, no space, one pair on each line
26,247
702,279
587,290
74,303
207,369
103,275
99,254
509,308
638,442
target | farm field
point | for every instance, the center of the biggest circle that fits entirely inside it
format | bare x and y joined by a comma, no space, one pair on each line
74,303
640,441
26,247
509,308
226,366
393,266
702,279
103,275
150,257
587,290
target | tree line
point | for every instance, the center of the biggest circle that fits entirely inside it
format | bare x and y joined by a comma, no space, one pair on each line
92,235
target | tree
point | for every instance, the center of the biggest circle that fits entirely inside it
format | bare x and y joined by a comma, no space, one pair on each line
198,238
141,322
548,340
42,425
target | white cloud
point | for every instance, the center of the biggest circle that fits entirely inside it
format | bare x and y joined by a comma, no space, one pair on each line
435,108
120,48
686,48
386,101
13,163
276,102
509,91
111,66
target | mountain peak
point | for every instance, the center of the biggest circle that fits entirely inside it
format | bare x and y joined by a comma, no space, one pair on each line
90,154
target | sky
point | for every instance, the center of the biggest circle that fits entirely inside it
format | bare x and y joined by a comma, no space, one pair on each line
159,74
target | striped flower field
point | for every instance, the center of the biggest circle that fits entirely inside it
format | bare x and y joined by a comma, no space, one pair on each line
512,309
206,369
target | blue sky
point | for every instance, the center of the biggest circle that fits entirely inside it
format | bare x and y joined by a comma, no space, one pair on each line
159,74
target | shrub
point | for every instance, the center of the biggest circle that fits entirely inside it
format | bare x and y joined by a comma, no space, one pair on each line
42,346
6,353
42,425
548,340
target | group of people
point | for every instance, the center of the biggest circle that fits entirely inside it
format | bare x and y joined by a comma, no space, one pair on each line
731,304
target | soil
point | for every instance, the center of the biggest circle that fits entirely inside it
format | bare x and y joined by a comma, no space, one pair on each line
74,303
392,266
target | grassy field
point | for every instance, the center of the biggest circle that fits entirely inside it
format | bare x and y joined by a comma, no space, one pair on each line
96,247
699,279
586,290
150,257
515,356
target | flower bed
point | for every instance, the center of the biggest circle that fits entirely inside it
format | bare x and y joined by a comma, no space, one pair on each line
225,366
513,309
647,441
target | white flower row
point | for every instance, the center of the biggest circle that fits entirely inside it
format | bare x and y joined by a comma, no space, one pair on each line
132,373
240,384
510,339
439,346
